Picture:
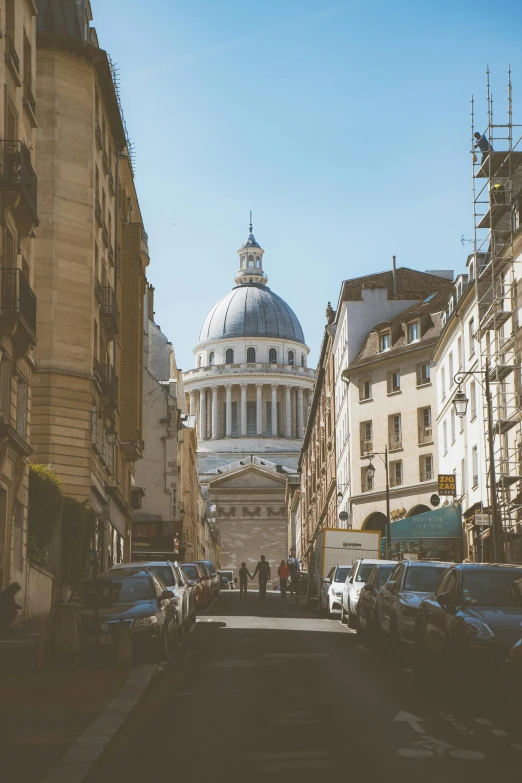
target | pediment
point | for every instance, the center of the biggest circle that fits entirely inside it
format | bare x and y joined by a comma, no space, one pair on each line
249,476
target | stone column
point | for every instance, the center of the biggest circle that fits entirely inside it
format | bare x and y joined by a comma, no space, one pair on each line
288,411
202,414
215,390
192,403
300,412
259,409
274,410
243,410
228,433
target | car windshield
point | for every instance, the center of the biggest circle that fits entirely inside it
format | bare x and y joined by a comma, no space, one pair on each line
423,579
191,572
342,573
129,590
492,588
383,573
364,572
164,573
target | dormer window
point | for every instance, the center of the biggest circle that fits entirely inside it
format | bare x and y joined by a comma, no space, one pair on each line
444,318
384,341
459,290
413,332
450,305
472,272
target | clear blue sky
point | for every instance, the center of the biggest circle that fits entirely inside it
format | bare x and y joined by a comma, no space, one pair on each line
343,125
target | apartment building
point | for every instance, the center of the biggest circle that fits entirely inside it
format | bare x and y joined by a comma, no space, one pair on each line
18,329
392,408
90,262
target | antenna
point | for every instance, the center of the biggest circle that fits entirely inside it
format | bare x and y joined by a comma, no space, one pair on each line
250,221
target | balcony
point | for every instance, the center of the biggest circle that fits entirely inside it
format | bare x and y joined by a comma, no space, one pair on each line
19,182
98,135
423,381
109,310
98,213
30,104
105,161
12,60
395,441
110,254
366,447
108,382
105,234
396,481
367,486
427,475
110,177
18,309
98,288
425,434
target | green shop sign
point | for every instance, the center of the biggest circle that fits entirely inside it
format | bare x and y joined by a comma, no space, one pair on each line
444,522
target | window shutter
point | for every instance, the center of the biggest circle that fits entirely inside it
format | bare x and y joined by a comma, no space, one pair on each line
5,389
21,409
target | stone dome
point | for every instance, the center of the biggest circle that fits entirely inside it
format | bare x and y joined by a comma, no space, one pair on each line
251,310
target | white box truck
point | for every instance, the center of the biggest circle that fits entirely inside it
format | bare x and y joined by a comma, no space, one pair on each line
343,547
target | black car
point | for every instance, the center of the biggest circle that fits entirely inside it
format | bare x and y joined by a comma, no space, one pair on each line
368,598
214,576
474,614
138,599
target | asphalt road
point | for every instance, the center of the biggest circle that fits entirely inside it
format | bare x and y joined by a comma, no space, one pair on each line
266,691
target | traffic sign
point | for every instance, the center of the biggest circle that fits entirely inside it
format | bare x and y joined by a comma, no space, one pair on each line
447,484
435,500
483,520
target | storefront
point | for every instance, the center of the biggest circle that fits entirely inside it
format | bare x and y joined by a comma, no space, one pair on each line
434,535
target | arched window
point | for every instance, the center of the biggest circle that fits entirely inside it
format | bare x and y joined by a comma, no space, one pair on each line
290,357
251,355
258,262
229,356
272,356
250,262
211,357
303,360
243,260
199,360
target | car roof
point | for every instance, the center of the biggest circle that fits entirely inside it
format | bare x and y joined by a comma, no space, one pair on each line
369,561
417,563
483,566
140,564
119,573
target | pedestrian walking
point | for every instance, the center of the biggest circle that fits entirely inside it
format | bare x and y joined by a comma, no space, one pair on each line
283,575
294,571
8,605
244,574
263,569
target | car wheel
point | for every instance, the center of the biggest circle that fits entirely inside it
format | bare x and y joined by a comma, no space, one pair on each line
344,619
352,620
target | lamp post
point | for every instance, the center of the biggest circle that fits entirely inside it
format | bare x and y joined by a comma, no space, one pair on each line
460,403
370,473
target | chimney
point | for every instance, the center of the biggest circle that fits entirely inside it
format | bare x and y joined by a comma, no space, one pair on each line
150,301
394,278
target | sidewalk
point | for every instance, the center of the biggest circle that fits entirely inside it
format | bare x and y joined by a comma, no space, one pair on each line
43,712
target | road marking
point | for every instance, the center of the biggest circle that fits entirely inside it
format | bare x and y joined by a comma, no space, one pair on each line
483,721
412,720
296,655
244,664
499,733
515,746
291,754
467,755
362,648
276,766
189,693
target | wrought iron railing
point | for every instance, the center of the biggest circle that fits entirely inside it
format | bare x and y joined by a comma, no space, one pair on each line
425,434
29,97
395,441
109,306
18,298
18,172
427,475
109,381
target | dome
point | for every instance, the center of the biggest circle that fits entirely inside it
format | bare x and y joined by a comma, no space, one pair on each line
251,310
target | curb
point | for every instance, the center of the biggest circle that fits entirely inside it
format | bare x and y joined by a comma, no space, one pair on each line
79,760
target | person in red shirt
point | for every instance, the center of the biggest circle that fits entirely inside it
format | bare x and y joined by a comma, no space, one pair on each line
283,574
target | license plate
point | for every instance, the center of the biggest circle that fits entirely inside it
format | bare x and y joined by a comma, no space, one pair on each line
103,639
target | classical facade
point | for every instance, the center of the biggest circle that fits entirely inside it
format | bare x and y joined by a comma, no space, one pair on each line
249,391
91,256
19,218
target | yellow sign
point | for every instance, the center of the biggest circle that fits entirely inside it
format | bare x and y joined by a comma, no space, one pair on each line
447,484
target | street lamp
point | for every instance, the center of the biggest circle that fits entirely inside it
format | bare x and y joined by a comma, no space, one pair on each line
460,404
342,490
111,435
370,474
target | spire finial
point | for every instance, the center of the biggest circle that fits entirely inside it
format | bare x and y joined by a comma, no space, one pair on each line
250,226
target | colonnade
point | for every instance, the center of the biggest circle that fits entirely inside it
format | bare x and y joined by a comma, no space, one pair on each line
205,404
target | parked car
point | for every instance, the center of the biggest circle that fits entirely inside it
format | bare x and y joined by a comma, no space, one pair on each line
331,594
139,599
190,592
224,583
214,578
198,578
165,571
473,615
352,587
230,576
366,615
398,600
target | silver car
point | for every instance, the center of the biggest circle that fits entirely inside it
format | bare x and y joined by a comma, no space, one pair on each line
399,598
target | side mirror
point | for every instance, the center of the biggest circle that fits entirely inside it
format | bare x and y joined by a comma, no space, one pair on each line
166,595
350,580
325,580
367,588
444,600
392,586
192,583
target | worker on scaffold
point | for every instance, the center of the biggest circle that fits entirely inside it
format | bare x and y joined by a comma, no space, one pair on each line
483,144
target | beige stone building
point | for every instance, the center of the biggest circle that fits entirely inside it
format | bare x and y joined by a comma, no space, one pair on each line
91,257
19,218
317,462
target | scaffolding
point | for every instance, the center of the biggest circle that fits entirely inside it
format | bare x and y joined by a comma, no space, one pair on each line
497,199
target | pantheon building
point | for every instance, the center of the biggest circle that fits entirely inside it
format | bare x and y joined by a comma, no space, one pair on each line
250,391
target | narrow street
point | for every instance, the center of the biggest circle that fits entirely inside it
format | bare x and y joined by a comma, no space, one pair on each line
266,690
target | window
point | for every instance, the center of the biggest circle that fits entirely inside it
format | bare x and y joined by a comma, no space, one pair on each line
413,332
272,356
384,341
443,384
450,369
229,356
258,262
394,382
290,357
21,408
426,468
474,467
366,437
199,360
365,391
5,389
303,360
251,355
423,374
425,425
471,337
445,437
250,262
462,477
396,473
395,432
473,400
453,425
10,17
460,355
211,358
